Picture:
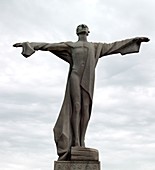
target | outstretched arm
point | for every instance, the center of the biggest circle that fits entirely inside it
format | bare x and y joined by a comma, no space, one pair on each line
30,48
123,47
61,50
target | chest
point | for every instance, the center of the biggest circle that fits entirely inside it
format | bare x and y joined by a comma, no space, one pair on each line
81,50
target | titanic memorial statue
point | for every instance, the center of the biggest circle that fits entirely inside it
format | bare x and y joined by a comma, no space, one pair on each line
82,57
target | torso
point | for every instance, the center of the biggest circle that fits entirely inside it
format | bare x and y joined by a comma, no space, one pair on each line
79,57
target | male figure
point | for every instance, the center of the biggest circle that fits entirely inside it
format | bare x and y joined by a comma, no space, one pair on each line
82,56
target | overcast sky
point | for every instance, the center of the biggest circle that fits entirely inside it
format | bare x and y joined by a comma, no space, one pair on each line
122,125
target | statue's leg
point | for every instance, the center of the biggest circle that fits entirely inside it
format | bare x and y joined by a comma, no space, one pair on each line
85,115
76,106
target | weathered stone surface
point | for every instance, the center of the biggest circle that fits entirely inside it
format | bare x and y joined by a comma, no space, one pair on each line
82,56
76,165
84,154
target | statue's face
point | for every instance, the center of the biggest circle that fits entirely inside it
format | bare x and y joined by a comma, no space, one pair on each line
82,29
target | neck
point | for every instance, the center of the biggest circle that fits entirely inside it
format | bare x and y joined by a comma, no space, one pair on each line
82,37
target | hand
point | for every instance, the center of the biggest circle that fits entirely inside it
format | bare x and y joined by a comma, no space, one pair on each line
17,45
142,39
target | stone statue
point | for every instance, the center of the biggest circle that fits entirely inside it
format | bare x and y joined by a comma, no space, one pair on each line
82,56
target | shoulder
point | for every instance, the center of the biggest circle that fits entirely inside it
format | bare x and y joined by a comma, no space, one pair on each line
98,44
69,43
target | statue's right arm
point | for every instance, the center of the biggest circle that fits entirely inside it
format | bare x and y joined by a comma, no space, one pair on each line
30,48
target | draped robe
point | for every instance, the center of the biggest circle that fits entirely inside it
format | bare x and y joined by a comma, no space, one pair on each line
62,130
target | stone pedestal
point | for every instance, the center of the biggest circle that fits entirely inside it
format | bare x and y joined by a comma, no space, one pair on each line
76,165
84,154
81,159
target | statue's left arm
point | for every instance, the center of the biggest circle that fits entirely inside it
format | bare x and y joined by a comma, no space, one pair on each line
123,47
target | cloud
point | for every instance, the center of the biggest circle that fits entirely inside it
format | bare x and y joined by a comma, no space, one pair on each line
32,90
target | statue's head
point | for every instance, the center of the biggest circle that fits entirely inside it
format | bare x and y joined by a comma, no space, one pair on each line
82,29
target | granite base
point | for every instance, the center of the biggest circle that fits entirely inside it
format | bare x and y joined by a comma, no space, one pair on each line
76,165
